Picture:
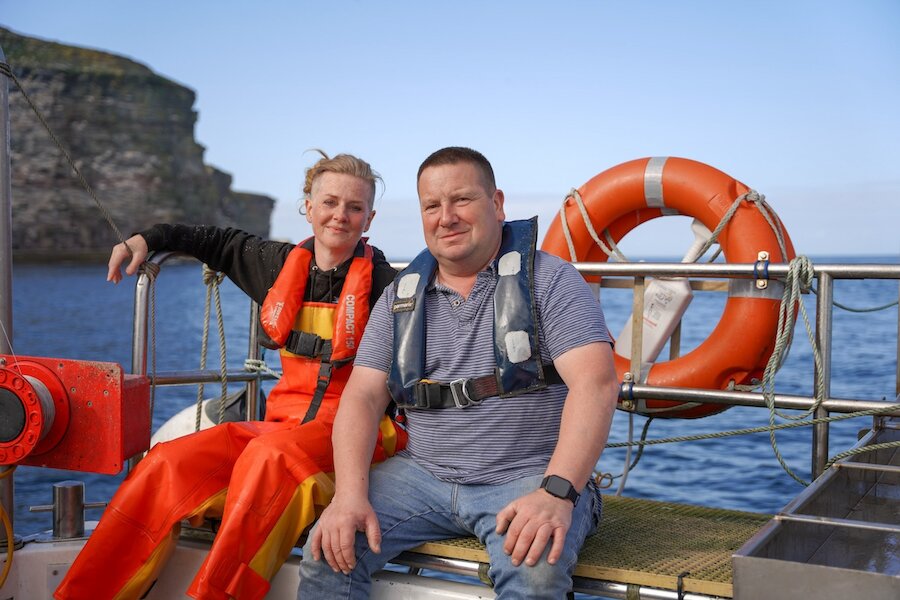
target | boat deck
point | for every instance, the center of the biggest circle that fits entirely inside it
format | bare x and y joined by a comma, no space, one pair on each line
646,543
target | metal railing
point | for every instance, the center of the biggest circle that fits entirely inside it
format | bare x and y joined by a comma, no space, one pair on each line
825,275
140,346
618,275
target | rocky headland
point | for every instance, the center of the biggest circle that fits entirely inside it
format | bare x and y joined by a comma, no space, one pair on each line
131,133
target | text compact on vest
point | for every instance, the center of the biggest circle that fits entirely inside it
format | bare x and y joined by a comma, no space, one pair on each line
350,322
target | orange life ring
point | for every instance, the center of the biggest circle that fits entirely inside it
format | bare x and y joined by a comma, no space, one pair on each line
623,197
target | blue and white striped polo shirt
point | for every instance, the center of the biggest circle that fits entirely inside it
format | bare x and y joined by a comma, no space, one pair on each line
501,439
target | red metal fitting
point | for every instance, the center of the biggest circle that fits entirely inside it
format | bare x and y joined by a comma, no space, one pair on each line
71,414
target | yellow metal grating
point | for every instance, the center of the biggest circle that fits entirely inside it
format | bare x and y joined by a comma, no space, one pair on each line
646,542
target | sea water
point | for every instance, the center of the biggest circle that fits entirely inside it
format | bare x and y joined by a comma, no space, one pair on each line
69,311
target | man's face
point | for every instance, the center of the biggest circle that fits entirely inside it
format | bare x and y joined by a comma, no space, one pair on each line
461,216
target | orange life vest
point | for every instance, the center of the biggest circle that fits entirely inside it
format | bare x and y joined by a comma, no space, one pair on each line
318,340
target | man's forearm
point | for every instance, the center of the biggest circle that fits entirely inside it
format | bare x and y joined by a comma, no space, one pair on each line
355,433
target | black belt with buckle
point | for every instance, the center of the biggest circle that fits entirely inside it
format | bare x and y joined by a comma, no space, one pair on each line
462,393
306,344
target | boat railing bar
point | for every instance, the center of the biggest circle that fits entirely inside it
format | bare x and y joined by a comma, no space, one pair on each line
648,392
728,270
188,377
835,522
736,270
736,398
140,343
861,466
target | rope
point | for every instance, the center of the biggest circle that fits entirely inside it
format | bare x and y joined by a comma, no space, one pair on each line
859,310
212,279
773,427
605,480
627,468
259,366
762,429
6,70
579,202
799,277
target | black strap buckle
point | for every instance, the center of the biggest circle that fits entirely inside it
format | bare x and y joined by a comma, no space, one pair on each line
306,344
459,388
427,394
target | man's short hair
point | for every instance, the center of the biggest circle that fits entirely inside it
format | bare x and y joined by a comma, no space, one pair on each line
453,155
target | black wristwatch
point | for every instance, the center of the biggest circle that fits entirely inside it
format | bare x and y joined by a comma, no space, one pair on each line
560,487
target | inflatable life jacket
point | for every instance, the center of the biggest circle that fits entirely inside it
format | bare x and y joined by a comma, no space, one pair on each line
315,338
519,368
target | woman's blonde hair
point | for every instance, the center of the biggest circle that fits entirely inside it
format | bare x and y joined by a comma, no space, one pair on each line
345,164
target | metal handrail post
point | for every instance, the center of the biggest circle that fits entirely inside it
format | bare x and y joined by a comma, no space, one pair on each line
139,341
139,337
6,483
824,312
253,354
897,374
637,328
5,217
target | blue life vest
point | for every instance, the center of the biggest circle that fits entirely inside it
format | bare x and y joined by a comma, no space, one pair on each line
519,367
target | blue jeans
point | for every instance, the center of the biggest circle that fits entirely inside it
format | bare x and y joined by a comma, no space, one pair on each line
414,507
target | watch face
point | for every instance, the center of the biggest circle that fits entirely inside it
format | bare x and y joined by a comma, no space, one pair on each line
558,486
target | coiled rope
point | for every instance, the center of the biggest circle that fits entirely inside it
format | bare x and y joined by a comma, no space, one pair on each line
212,279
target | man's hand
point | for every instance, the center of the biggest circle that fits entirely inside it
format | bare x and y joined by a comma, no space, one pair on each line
530,521
120,254
335,535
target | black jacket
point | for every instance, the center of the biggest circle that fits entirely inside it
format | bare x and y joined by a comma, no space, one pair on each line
253,263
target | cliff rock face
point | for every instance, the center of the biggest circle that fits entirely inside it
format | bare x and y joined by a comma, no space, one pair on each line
131,133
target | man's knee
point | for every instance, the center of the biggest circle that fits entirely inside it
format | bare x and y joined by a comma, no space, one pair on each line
542,580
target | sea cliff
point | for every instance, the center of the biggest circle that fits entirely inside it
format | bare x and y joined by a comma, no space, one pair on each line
131,133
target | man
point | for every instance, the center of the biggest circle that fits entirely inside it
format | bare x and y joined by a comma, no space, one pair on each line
504,447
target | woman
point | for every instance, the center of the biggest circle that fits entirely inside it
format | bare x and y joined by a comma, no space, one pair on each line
265,479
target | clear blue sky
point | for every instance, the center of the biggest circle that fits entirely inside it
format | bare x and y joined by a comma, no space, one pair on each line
800,100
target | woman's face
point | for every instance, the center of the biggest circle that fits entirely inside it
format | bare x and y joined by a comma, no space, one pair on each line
339,210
